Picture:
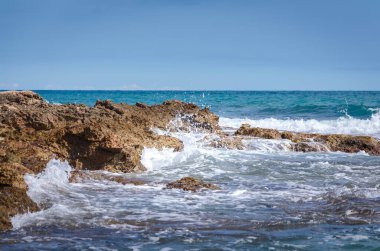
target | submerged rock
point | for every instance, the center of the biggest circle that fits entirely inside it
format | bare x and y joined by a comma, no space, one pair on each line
307,142
227,142
107,136
79,176
191,184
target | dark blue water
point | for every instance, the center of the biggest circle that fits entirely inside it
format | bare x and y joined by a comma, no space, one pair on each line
270,198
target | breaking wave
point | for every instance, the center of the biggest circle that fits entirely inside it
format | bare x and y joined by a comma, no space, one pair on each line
259,190
344,125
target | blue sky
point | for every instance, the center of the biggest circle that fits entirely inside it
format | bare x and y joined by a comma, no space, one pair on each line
189,44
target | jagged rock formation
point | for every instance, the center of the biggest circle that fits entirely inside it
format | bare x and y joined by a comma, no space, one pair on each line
308,142
107,136
112,136
191,184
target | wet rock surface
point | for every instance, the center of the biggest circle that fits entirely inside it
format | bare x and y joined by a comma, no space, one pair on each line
308,142
79,176
13,200
112,137
227,142
191,184
107,136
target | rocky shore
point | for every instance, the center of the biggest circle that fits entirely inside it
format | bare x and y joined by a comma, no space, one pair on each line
311,142
107,136
112,137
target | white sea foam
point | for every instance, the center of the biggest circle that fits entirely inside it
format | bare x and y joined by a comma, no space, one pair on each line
267,145
345,125
353,237
153,158
55,176
45,189
249,179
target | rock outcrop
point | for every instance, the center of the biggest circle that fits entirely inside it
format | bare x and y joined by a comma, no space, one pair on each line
13,197
107,136
191,184
308,142
112,136
13,200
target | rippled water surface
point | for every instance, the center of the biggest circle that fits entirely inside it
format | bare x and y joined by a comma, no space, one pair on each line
270,198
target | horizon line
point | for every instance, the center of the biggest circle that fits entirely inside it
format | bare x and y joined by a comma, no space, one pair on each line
194,90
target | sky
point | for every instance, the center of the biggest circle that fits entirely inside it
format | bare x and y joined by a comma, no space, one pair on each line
190,44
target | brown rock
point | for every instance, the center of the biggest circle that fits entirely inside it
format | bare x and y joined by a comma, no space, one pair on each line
141,105
227,142
306,142
107,136
110,106
191,184
247,130
13,175
20,97
350,144
309,147
13,201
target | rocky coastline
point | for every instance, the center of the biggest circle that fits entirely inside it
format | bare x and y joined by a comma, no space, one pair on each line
312,142
107,136
112,136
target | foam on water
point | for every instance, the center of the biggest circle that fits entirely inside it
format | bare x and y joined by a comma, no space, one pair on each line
345,125
154,159
54,177
265,185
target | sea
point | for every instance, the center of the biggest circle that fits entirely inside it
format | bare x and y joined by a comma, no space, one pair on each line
270,198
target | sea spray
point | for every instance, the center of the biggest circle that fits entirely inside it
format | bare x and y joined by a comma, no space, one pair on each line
43,189
55,176
343,125
270,198
260,190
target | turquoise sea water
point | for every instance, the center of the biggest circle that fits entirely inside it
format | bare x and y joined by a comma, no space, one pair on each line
241,104
270,198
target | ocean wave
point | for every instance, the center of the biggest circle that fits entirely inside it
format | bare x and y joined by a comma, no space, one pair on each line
55,176
344,125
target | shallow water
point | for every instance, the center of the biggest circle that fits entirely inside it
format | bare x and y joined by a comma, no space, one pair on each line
270,198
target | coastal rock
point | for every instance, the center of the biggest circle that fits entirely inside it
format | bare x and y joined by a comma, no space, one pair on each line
12,175
309,147
79,176
306,142
141,105
20,97
191,184
227,142
13,200
108,136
